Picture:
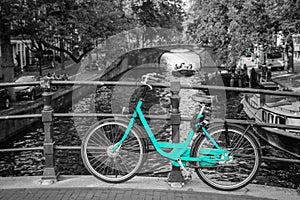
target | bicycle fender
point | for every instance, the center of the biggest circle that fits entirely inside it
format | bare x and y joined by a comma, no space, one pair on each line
218,124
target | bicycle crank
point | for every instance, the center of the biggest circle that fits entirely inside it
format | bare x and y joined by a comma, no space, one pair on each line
187,174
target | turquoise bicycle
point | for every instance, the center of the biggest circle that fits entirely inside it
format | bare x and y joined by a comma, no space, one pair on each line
224,157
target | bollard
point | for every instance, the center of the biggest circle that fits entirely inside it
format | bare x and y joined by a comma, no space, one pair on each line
175,178
240,79
264,74
232,80
253,78
49,174
269,75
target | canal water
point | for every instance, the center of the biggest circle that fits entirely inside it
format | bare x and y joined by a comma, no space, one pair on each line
70,131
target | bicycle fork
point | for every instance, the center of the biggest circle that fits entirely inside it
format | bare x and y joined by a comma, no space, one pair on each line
117,146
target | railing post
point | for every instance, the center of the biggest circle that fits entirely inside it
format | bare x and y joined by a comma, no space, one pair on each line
49,174
175,178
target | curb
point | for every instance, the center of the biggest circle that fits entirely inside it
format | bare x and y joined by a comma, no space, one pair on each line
146,183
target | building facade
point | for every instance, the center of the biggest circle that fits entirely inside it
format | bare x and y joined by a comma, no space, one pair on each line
296,42
22,56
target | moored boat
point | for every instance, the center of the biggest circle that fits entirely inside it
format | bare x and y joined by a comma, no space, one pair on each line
183,70
275,110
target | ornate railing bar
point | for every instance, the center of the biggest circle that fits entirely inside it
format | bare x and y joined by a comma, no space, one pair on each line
158,117
67,147
14,84
183,86
21,149
163,85
155,117
20,116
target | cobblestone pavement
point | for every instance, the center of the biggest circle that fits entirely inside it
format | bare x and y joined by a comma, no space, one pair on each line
138,188
112,194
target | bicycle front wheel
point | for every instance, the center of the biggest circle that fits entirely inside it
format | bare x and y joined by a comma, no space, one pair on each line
108,166
243,163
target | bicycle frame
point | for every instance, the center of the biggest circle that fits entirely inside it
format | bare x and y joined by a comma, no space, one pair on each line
179,150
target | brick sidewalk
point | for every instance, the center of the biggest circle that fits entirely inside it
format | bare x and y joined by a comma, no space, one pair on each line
112,194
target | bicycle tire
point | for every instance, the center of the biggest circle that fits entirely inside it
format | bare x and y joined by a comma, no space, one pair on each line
242,167
115,167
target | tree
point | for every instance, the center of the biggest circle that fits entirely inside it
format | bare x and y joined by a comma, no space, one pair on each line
288,15
238,24
252,25
211,25
5,36
158,13
6,60
68,26
74,27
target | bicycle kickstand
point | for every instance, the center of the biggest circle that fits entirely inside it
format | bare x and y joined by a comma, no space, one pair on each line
187,174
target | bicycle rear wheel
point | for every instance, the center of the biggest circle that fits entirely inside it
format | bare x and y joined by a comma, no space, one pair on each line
243,164
116,167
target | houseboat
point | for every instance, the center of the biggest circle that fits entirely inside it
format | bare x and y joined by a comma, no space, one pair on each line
275,110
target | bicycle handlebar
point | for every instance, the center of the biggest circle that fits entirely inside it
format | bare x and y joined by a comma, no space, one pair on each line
150,77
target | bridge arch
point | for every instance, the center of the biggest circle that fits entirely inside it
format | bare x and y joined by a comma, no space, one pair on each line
127,56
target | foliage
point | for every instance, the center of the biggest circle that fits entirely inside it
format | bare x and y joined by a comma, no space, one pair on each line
231,26
69,26
75,27
164,14
211,25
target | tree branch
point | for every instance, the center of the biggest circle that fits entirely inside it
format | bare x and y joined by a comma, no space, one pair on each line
87,49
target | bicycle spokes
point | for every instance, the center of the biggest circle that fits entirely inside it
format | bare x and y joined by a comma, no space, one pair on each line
234,165
112,165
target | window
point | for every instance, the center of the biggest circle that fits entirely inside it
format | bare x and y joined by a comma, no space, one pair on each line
281,120
270,118
264,114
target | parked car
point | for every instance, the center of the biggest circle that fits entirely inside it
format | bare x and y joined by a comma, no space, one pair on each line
31,92
4,98
275,59
274,53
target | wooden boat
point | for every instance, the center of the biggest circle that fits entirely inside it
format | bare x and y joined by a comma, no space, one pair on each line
183,70
275,110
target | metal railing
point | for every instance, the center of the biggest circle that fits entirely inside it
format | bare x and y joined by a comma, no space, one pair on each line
47,115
